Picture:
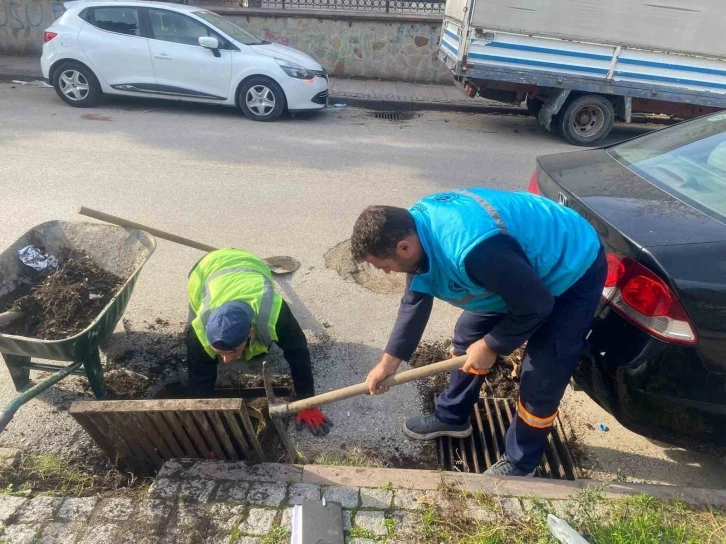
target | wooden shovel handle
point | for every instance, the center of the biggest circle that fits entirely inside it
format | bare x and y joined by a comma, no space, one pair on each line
121,222
362,388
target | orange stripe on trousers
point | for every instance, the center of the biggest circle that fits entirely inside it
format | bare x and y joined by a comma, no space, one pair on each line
532,420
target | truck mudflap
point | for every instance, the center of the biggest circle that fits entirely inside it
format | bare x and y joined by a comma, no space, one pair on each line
450,62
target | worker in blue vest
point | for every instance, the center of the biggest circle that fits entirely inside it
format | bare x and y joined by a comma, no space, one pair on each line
523,269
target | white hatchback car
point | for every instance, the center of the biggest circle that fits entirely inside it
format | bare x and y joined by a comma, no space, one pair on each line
175,52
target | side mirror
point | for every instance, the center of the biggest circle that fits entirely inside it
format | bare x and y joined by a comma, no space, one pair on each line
210,43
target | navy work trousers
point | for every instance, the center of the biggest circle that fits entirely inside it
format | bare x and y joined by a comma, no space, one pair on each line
550,359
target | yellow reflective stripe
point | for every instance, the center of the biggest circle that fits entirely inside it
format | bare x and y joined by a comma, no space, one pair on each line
534,421
262,330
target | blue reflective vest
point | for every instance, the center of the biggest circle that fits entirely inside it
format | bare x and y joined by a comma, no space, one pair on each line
559,243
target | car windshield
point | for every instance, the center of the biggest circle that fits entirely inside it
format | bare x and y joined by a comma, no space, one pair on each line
688,161
229,28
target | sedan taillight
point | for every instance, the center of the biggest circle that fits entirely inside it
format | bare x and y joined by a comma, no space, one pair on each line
643,298
49,36
533,186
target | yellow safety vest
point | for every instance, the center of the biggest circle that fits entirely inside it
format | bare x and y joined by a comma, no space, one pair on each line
231,274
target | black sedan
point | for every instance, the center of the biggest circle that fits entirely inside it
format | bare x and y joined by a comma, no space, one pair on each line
658,343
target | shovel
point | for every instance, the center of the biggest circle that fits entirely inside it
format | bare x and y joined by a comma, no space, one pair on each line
278,265
279,410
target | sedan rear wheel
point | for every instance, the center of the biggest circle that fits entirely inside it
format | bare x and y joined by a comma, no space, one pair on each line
261,99
76,85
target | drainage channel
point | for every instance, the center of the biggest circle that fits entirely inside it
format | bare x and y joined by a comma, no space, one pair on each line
490,420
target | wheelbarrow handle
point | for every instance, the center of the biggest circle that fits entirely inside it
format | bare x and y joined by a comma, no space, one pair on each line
362,388
14,405
5,418
9,317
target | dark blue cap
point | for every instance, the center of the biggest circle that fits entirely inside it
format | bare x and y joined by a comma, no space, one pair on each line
229,325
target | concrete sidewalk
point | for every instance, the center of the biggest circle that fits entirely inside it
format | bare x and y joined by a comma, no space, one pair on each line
361,93
398,95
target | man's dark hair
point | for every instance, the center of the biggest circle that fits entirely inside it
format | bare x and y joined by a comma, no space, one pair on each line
378,230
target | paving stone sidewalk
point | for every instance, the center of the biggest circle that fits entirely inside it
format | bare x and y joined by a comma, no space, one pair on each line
200,502
215,502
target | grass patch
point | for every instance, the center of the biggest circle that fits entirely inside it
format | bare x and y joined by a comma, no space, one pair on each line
357,532
390,524
646,520
355,457
278,535
635,520
50,474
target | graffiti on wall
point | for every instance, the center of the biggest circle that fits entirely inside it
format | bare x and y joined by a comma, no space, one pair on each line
29,15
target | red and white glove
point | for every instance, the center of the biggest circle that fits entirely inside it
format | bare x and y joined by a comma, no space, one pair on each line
316,422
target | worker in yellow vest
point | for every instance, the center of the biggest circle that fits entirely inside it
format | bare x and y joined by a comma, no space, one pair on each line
236,312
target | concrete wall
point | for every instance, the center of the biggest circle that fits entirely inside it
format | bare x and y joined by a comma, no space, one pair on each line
366,45
22,23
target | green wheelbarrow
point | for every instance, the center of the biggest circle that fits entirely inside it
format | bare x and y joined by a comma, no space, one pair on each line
121,251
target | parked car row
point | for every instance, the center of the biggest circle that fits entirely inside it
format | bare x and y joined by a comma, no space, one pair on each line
175,52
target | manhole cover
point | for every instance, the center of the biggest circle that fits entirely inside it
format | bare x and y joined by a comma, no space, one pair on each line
393,115
490,420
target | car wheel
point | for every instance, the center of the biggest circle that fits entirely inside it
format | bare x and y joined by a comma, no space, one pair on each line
586,120
76,85
261,99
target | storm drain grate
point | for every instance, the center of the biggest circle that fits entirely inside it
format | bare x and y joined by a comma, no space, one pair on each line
490,420
142,434
393,115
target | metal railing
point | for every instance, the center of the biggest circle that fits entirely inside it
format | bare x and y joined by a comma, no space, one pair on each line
376,6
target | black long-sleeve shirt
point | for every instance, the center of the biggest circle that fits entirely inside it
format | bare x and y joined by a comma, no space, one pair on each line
500,265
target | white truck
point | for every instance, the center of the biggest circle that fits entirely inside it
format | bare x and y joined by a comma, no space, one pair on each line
580,64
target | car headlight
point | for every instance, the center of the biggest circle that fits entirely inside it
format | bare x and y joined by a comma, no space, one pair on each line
295,70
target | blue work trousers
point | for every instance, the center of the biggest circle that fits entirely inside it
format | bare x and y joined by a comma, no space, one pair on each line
551,356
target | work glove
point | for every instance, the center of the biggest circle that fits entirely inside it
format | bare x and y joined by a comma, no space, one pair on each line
317,423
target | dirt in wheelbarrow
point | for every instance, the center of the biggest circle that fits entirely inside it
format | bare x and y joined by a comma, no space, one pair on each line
66,301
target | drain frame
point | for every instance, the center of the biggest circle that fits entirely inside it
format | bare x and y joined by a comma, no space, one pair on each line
490,420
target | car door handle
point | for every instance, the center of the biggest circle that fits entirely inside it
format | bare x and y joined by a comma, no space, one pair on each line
163,56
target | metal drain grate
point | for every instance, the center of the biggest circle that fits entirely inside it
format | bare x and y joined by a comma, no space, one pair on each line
490,420
393,115
389,115
142,434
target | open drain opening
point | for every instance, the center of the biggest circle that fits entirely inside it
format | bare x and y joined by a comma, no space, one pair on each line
490,420
394,115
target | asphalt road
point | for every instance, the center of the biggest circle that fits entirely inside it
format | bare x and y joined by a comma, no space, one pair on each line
293,187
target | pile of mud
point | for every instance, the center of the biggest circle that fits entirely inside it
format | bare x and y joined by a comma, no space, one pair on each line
340,259
501,382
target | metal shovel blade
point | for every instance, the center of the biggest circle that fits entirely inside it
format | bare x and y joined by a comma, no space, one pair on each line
281,264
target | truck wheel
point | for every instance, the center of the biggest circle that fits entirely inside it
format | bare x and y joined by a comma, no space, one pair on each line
586,120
